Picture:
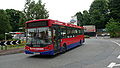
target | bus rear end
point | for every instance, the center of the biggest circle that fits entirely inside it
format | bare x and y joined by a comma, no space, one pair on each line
39,38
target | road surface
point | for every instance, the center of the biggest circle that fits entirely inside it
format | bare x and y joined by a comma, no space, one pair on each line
95,53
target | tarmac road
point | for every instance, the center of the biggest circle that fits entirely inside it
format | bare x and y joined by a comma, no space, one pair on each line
95,53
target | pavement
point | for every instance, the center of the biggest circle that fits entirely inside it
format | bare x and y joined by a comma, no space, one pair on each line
11,51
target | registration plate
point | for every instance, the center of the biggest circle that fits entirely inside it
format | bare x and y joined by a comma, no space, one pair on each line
37,53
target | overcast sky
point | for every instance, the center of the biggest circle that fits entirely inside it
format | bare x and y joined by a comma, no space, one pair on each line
61,10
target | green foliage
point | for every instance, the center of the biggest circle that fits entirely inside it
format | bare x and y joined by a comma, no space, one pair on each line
114,7
101,12
35,10
83,19
12,20
98,13
16,18
2,36
8,47
79,18
4,24
86,18
113,28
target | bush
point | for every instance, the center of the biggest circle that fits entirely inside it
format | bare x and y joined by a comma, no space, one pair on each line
113,28
2,36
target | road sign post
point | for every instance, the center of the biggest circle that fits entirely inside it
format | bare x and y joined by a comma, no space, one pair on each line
1,47
5,47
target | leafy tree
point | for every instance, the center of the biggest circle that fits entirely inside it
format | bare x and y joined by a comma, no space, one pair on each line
86,18
83,18
114,7
79,18
22,20
98,13
113,28
16,18
35,10
4,24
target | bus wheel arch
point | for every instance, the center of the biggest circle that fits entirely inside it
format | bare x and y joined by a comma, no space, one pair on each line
64,48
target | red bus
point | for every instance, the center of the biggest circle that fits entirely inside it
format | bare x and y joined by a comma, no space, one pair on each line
50,37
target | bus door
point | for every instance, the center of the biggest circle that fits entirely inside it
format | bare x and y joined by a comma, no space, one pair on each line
56,35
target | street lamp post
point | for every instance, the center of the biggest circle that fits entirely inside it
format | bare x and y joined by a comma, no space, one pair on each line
5,40
5,36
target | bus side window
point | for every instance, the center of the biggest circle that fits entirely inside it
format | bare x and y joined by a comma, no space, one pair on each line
54,35
75,32
79,31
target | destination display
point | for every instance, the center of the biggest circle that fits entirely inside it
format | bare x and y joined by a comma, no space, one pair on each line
37,24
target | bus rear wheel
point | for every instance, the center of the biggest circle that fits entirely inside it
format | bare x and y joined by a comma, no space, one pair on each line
64,49
80,42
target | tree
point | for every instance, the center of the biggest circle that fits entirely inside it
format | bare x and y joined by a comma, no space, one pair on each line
79,18
113,28
35,10
98,13
16,18
114,7
86,18
4,24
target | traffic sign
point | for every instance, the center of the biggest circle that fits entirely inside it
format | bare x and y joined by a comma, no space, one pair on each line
4,43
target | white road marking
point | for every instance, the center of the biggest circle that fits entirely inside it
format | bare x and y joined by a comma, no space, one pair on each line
116,43
117,65
111,65
118,57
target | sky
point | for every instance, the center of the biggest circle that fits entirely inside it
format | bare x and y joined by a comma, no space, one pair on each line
61,10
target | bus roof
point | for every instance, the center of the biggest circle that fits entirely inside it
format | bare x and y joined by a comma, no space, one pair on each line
67,24
57,23
38,20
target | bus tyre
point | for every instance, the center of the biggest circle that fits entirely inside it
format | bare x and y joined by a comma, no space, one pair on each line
83,40
64,49
80,42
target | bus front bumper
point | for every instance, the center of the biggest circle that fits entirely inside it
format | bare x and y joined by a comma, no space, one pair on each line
51,52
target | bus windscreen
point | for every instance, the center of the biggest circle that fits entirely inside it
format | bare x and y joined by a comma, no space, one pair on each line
37,24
